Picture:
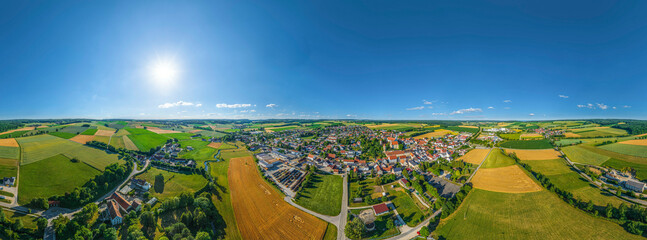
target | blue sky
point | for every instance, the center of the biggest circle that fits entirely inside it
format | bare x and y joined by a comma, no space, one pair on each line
324,59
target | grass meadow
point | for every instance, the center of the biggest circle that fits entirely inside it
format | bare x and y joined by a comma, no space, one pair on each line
410,213
497,159
52,176
144,139
64,135
323,195
628,149
40,147
579,154
90,131
8,167
9,152
537,215
174,183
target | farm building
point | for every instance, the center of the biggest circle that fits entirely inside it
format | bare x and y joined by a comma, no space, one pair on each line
9,181
634,185
113,213
380,209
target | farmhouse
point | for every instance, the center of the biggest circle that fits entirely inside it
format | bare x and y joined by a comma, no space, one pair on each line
380,209
113,213
9,181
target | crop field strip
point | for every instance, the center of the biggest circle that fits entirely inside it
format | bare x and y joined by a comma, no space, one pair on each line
510,179
435,134
541,154
145,139
475,156
8,142
40,147
106,133
527,144
260,211
627,149
82,139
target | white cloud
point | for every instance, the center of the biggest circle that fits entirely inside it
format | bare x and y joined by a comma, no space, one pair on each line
626,106
507,101
251,111
199,105
175,104
490,107
563,96
532,114
602,106
439,114
142,114
237,105
350,115
588,105
466,110
426,102
416,108
271,105
614,107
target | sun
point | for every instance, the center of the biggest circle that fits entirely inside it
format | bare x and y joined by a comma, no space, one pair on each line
164,71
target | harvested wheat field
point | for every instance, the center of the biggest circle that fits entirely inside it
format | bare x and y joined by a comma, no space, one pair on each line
639,142
475,156
510,179
435,134
19,129
572,135
82,139
105,133
261,213
542,154
161,131
214,144
9,142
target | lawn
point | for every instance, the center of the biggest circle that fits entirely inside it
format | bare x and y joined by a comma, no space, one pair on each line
331,232
354,186
381,231
90,131
497,159
174,183
538,215
40,147
27,221
579,154
145,140
52,176
9,152
628,149
527,144
563,177
65,135
410,213
323,195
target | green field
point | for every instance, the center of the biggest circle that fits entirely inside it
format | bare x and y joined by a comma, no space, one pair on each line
353,187
527,144
463,129
211,134
52,176
174,183
628,149
563,177
600,132
40,147
13,134
145,140
579,154
410,213
74,129
200,151
64,135
8,167
510,136
90,131
563,142
323,195
538,215
497,159
27,221
9,152
331,232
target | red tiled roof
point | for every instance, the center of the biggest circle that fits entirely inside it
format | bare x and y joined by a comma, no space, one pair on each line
120,200
114,210
380,208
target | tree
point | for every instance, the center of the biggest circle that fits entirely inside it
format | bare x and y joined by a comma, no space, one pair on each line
147,220
390,224
111,234
135,234
608,210
634,227
202,236
354,229
41,223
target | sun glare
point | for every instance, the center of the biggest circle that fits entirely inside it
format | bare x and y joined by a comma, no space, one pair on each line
164,71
